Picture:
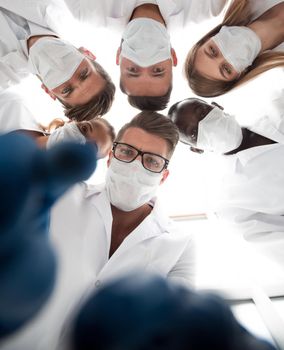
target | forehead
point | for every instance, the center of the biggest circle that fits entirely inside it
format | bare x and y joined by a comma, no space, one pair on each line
145,84
191,112
145,141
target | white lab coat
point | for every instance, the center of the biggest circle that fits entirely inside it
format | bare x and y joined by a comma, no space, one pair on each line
44,18
15,115
116,13
81,231
251,197
83,219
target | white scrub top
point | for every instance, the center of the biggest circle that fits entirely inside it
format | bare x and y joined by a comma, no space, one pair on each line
15,115
271,125
116,13
251,200
251,196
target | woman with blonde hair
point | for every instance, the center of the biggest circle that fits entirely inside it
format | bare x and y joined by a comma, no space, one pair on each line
248,42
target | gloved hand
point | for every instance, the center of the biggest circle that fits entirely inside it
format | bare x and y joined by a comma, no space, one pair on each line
148,312
31,180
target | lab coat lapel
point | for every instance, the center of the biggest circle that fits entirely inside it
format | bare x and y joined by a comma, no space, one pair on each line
102,204
152,226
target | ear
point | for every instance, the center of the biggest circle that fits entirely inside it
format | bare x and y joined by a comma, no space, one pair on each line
118,52
165,175
87,53
174,57
49,92
110,155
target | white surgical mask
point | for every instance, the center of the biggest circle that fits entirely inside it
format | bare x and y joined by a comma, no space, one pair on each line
130,185
219,132
145,42
239,46
67,133
54,61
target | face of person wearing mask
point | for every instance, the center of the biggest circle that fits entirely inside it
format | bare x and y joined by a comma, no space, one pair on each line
154,80
133,178
146,58
84,84
211,63
66,73
187,115
206,127
228,53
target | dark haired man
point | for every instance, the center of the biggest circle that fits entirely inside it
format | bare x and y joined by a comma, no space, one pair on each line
145,55
251,197
30,44
104,231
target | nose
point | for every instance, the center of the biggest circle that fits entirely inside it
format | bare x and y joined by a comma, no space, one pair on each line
139,157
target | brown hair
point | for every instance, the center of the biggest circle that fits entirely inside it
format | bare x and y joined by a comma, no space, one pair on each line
156,124
98,105
238,14
149,103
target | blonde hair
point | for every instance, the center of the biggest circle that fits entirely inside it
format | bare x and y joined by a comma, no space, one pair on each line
238,14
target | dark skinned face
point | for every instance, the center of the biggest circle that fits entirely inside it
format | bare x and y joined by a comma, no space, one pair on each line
187,116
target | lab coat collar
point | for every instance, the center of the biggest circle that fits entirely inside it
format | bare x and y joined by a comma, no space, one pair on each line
98,198
155,223
169,9
267,127
249,154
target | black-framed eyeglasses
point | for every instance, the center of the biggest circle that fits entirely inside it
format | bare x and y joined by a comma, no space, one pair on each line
150,161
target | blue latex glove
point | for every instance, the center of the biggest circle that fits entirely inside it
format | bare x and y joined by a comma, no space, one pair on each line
31,180
146,312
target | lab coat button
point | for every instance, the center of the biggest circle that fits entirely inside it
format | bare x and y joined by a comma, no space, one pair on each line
98,283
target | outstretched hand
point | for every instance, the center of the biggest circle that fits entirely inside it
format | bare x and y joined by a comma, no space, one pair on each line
31,180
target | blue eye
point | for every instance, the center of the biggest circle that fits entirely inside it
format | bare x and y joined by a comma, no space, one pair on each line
152,162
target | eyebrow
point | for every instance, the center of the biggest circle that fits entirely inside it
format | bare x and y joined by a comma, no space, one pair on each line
131,75
158,75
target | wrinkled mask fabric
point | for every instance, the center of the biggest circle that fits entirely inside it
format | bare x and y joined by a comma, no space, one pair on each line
54,61
130,185
145,42
219,132
239,46
67,133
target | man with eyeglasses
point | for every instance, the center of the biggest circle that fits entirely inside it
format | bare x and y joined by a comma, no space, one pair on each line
105,231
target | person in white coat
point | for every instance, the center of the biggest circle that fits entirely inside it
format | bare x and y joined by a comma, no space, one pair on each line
251,195
145,55
30,44
103,232
121,226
